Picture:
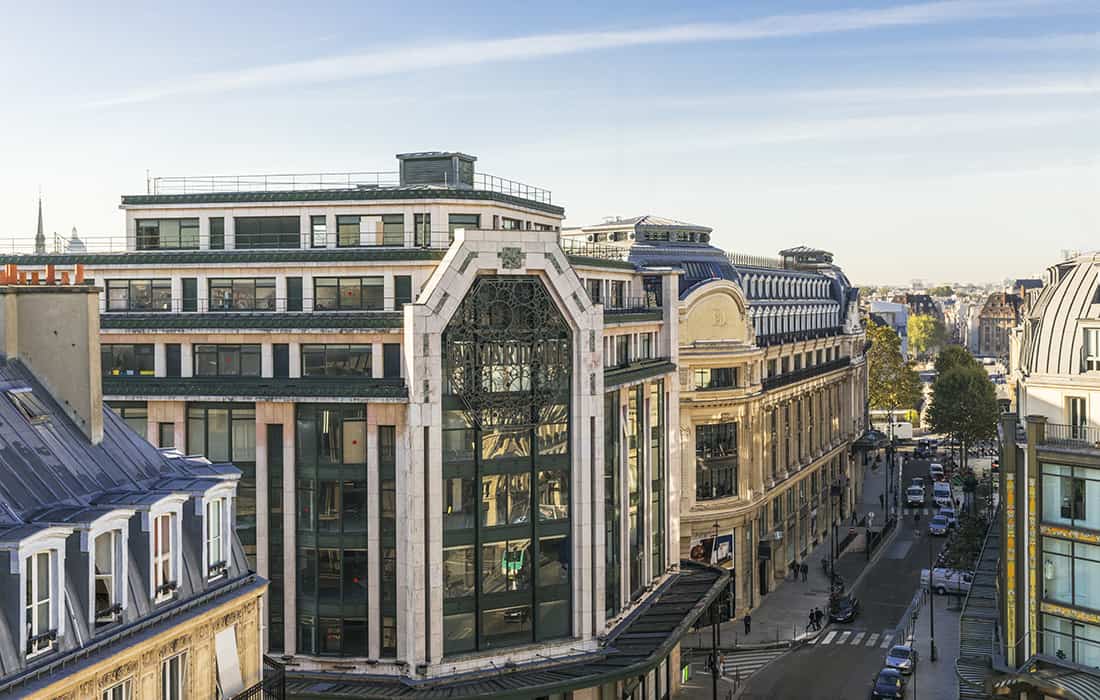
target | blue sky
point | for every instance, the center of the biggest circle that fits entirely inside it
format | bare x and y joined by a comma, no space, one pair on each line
954,140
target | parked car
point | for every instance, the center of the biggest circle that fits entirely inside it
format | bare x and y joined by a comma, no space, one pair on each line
844,609
903,657
889,685
946,581
941,494
914,495
952,518
938,526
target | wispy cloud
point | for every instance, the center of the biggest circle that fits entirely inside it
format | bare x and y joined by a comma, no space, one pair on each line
393,61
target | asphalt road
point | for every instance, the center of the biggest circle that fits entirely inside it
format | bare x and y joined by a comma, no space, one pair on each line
840,666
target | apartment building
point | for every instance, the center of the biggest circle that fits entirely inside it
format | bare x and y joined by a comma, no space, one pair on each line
772,395
999,315
456,455
123,578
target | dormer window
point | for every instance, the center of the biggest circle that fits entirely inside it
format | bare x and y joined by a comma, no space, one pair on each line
165,556
216,522
41,607
1092,350
109,577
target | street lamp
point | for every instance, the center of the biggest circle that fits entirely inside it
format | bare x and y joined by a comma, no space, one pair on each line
931,605
834,497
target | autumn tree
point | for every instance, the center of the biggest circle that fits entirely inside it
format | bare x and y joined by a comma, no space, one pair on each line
892,384
926,334
964,406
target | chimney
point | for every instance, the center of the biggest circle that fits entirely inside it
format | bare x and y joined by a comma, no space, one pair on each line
53,329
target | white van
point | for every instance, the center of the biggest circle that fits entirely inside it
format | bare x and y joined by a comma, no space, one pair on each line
941,494
914,495
946,581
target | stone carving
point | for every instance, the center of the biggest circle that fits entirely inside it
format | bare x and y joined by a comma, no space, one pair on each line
512,258
122,672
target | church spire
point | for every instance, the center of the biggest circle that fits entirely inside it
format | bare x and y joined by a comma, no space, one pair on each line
40,237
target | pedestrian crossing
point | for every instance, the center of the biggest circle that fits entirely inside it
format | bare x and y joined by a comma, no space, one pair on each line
742,664
857,638
922,511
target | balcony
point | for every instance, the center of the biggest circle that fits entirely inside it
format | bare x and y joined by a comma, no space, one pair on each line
625,310
272,687
1074,436
799,375
636,371
769,339
254,388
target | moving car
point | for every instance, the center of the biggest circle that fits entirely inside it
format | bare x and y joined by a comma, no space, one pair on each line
844,609
941,494
914,495
946,581
952,518
903,657
935,471
918,481
938,526
888,684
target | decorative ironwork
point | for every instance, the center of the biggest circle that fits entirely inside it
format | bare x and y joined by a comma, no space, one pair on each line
507,352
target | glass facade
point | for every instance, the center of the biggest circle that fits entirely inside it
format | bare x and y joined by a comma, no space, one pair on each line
612,450
332,529
126,360
387,509
1071,496
715,461
226,432
635,501
657,474
1069,640
249,294
267,232
1071,573
347,293
167,234
506,574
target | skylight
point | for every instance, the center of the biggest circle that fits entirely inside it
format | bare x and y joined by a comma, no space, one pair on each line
28,404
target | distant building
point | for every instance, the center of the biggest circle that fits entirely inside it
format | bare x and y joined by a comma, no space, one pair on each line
1022,286
896,316
40,236
920,305
122,571
75,245
999,315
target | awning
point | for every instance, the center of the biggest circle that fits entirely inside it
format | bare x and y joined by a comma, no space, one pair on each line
1049,676
637,645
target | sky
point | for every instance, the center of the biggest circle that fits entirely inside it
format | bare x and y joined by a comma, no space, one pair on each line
956,140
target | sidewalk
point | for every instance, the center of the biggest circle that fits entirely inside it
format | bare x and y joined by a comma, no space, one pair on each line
936,679
783,613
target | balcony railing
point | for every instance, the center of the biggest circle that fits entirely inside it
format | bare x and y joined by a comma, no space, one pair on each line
297,182
272,687
593,250
629,305
769,339
267,305
1071,435
743,259
805,373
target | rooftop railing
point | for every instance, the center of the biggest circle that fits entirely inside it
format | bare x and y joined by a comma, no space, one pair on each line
593,250
1071,435
295,182
754,260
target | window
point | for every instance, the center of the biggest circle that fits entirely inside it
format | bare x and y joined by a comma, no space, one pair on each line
166,435
267,232
109,577
387,467
120,691
41,629
336,361
347,293
1092,349
139,295
594,288
227,360
621,343
391,360
242,294
217,233
645,346
189,294
1070,640
293,293
172,676
618,294
507,224
467,221
349,231
402,291
1071,495
134,413
393,229
167,234
216,519
172,360
422,229
1076,413
715,460
224,433
119,360
715,377
164,557
318,231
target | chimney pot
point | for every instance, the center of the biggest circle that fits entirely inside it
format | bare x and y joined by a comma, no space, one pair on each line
34,277
79,274
51,274
65,278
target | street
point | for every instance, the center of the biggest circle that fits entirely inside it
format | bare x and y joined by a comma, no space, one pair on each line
842,662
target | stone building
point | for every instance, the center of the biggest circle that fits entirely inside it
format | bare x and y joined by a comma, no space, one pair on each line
459,441
772,394
999,315
122,576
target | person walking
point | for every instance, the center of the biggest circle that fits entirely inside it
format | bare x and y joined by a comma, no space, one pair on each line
810,625
820,617
805,570
748,623
882,500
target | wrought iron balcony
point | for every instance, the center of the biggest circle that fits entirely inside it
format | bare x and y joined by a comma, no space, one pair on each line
272,687
799,375
1080,436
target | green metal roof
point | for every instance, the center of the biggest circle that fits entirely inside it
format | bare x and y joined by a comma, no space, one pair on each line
337,387
368,320
601,262
636,371
365,193
612,317
223,257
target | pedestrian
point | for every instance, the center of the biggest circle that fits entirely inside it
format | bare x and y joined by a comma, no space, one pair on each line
882,500
820,617
855,520
805,570
748,623
810,625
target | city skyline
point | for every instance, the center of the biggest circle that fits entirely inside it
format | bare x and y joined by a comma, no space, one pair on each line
964,126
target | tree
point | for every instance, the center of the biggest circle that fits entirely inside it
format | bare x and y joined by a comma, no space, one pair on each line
954,356
964,406
926,334
942,290
892,384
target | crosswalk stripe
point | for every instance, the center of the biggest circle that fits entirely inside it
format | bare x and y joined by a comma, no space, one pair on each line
871,639
886,639
843,638
857,637
828,638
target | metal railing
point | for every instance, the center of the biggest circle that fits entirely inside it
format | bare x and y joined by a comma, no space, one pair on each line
298,182
268,305
798,375
625,305
1071,435
602,251
746,260
272,687
768,339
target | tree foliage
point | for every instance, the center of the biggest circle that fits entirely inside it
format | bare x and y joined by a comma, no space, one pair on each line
954,356
926,334
942,290
892,384
964,405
